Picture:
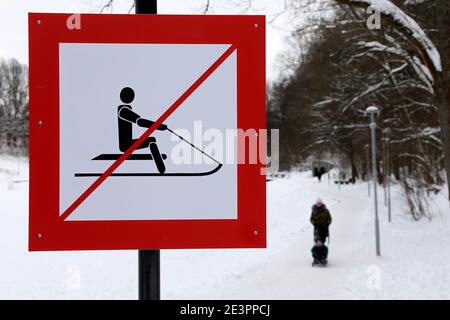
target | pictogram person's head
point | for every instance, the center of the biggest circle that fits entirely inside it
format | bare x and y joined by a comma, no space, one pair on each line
127,95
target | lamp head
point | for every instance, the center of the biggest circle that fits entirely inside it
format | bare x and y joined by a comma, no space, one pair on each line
372,110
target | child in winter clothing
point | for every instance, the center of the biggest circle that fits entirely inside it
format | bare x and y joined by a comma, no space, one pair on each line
319,251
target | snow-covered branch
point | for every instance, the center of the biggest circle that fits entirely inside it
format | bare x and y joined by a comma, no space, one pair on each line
412,28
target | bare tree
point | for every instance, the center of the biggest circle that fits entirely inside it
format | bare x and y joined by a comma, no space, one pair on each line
14,107
433,62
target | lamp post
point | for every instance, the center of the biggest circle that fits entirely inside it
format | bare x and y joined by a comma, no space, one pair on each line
373,112
383,167
386,139
367,147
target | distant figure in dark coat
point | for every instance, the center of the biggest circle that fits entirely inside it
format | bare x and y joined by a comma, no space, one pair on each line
318,172
321,220
322,170
321,173
315,172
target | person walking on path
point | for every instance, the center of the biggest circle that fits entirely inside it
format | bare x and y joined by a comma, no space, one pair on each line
321,220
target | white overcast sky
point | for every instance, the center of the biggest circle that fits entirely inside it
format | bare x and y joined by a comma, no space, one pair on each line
14,21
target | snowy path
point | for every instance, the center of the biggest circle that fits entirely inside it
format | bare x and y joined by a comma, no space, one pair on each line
412,264
283,270
348,215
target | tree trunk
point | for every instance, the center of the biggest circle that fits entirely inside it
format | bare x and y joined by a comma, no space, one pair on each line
442,82
442,97
352,160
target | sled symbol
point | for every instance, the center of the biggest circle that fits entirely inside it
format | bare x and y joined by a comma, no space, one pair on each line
126,119
138,174
115,156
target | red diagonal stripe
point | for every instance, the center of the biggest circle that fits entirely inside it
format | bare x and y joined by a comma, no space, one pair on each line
148,132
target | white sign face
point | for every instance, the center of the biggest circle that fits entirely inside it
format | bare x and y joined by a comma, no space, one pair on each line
104,89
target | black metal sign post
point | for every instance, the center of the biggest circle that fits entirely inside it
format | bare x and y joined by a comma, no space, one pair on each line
145,6
149,260
149,275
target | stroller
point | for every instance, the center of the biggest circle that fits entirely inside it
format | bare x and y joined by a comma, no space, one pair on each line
319,252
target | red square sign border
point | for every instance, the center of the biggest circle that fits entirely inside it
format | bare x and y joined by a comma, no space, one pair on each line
47,231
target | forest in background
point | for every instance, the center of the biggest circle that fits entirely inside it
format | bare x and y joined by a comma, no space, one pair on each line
319,107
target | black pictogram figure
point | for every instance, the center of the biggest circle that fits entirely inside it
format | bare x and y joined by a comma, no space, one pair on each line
126,117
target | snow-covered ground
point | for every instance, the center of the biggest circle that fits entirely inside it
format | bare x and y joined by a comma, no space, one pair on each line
414,262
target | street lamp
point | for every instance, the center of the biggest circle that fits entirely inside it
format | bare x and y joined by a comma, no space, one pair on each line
383,166
386,139
373,112
367,148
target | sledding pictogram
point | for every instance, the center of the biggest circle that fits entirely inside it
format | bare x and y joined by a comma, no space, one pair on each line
126,118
